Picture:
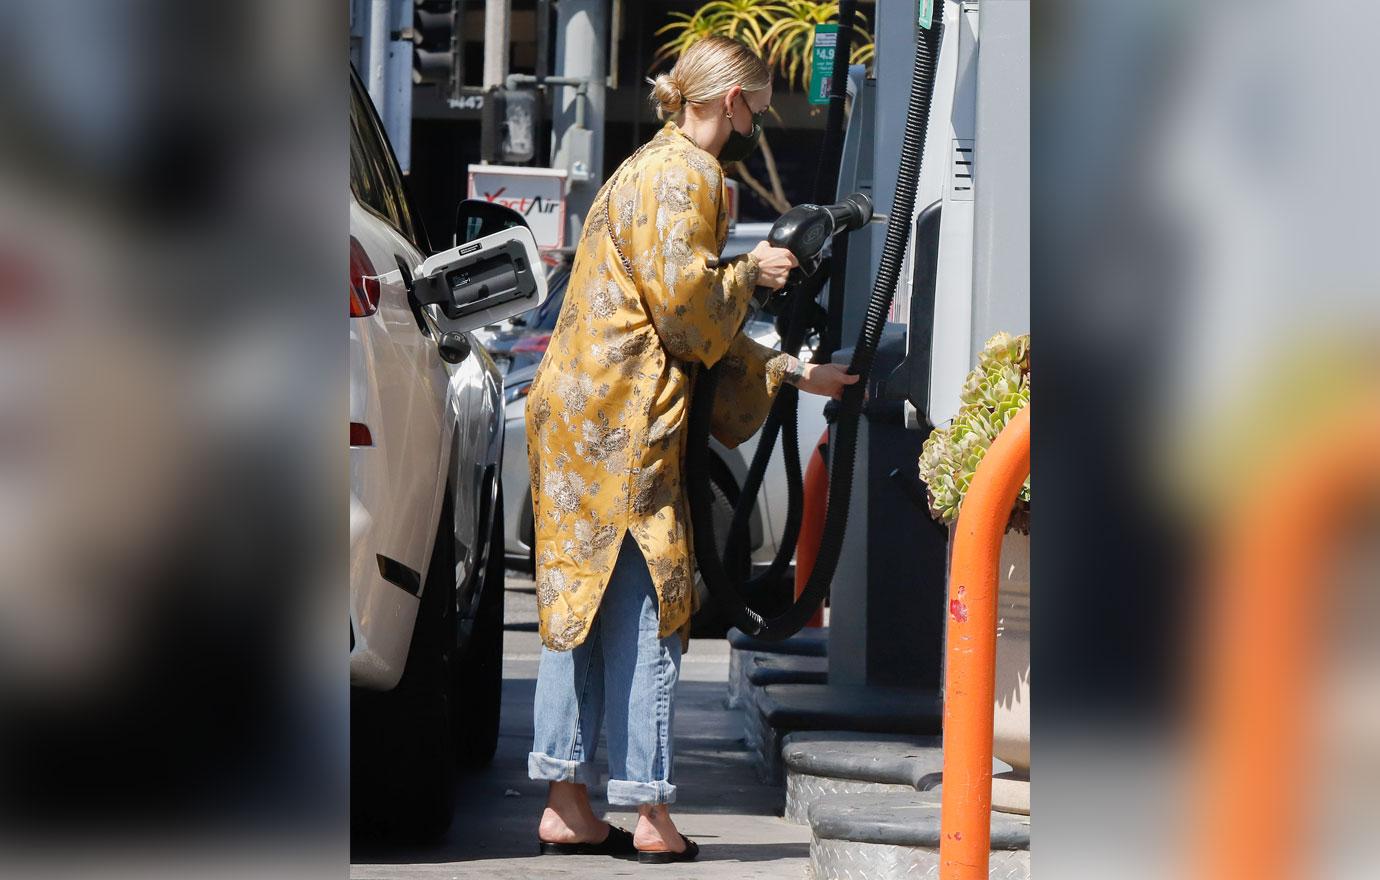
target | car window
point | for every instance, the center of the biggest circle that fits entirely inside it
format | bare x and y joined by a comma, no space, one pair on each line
374,175
549,311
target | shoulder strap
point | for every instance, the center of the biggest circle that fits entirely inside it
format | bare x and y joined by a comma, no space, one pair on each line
608,219
608,226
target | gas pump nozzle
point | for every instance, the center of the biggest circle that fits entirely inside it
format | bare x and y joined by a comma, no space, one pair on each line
805,230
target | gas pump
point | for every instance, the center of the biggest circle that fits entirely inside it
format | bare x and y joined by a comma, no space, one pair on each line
938,289
950,270
806,230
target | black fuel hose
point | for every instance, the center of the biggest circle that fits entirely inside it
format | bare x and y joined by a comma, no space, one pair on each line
844,450
800,318
782,420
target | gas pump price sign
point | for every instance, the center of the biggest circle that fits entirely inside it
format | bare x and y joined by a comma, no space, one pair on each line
822,62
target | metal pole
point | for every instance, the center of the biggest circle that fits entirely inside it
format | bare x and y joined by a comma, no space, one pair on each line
396,111
495,69
615,31
581,89
582,30
543,68
376,78
496,42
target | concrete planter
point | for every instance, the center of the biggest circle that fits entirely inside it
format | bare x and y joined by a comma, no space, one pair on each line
1011,724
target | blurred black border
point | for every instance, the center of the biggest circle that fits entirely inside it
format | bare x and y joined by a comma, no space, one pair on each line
1107,556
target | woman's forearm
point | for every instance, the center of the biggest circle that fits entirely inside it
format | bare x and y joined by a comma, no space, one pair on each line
794,371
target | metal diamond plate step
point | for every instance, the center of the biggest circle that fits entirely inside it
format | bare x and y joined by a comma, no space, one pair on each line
889,835
850,860
820,763
803,789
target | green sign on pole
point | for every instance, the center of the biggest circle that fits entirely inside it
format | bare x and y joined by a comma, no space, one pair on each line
822,62
926,13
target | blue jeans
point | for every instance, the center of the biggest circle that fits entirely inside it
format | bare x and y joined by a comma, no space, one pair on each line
623,674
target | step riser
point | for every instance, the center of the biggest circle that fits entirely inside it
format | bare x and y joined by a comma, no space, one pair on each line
850,860
802,789
749,671
739,662
763,739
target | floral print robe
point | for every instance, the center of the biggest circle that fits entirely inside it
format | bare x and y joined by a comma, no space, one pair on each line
648,303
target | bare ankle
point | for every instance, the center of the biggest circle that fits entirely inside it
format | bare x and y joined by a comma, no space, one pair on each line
568,817
564,794
655,829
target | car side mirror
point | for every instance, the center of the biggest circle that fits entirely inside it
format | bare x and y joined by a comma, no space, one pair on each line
476,218
483,281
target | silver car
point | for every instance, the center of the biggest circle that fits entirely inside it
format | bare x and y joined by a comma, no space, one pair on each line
426,446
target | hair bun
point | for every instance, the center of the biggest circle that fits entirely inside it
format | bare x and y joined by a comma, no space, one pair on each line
667,96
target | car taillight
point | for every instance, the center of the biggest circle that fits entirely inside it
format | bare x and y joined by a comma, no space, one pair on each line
537,343
359,435
364,285
516,392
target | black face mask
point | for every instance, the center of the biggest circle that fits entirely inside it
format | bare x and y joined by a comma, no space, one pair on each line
739,146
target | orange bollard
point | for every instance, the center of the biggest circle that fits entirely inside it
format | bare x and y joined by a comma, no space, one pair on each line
971,653
815,505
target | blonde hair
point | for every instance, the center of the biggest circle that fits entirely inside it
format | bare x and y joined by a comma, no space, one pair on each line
704,72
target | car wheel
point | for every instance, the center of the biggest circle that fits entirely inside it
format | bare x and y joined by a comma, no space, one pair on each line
478,675
402,766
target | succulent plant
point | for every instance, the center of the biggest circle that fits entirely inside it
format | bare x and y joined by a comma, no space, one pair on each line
993,392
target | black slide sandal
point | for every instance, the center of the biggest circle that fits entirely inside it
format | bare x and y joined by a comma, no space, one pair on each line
688,854
618,843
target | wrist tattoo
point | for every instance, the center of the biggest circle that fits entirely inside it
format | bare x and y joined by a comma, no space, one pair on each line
794,372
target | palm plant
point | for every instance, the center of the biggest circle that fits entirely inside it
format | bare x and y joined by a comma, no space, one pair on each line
738,19
783,33
789,41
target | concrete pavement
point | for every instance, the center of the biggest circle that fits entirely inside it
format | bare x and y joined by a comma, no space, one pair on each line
734,818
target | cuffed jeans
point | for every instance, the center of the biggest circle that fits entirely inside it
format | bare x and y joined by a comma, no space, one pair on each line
621,674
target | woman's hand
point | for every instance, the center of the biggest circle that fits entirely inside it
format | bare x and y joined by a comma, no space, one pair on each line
774,264
827,380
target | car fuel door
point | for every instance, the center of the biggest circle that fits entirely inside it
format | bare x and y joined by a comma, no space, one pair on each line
480,282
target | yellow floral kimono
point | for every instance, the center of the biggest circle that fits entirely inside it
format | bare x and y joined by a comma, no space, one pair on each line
648,302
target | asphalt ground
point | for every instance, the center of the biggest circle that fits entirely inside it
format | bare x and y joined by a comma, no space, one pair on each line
720,802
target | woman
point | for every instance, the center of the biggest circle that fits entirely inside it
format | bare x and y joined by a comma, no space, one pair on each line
649,303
